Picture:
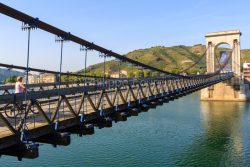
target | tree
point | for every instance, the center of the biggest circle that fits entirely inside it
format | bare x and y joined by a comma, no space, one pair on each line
146,73
176,70
11,79
155,74
138,74
130,74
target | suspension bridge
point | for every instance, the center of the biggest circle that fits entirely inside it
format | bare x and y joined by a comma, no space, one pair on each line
52,111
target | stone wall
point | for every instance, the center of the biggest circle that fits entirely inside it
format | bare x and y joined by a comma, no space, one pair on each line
226,91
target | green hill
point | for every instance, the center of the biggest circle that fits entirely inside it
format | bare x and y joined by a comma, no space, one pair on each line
173,59
5,74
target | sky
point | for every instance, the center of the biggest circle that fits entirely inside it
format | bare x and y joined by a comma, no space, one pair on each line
118,25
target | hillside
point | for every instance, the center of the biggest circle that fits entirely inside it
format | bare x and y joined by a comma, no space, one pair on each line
173,59
4,74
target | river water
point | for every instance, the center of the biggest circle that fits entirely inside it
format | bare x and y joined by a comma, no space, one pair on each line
185,132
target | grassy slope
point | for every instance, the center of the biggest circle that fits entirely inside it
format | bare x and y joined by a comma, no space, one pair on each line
172,59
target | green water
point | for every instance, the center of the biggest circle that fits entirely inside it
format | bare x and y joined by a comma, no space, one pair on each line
185,132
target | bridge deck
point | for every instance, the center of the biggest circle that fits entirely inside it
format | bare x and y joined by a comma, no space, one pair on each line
66,103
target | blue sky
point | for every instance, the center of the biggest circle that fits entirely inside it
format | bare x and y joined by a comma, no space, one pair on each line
119,25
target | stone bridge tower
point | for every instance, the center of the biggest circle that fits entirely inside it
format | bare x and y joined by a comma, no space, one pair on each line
213,40
235,89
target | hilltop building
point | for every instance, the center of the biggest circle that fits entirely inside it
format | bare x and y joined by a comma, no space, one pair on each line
41,78
48,78
123,74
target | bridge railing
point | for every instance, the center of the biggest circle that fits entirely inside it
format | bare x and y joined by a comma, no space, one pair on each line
46,107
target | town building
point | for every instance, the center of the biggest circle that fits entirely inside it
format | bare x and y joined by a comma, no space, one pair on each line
41,78
123,74
47,78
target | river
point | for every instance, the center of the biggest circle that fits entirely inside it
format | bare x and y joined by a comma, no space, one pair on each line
185,132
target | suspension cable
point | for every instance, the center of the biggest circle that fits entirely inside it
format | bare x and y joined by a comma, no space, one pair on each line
218,61
48,71
203,55
85,49
85,66
4,9
27,77
60,39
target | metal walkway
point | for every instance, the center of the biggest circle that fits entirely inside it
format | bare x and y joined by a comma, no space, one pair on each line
50,110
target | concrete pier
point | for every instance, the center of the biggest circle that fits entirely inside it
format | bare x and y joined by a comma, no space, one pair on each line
226,91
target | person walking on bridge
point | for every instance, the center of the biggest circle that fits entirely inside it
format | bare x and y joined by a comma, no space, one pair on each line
19,87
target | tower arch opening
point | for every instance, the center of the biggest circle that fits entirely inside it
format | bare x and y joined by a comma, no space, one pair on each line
223,57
